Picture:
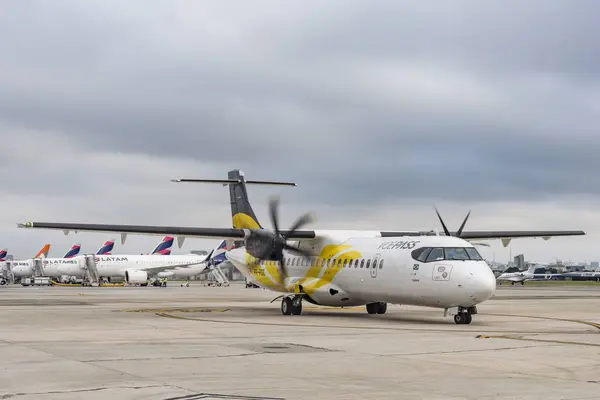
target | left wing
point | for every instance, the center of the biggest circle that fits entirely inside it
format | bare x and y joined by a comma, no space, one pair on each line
232,233
179,231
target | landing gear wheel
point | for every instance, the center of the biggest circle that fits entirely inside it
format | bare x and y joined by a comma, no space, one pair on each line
522,283
372,308
469,318
381,308
462,318
296,307
286,306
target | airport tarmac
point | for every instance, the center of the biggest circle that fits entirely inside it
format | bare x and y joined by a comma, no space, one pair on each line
230,343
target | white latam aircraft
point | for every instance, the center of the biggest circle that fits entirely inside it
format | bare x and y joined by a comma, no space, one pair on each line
136,269
24,268
49,266
343,268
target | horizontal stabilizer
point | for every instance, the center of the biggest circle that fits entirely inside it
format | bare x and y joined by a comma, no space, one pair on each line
228,181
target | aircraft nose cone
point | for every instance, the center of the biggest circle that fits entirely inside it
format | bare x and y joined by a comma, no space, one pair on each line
483,285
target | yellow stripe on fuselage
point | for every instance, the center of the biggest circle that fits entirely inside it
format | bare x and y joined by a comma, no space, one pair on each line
333,267
266,275
269,275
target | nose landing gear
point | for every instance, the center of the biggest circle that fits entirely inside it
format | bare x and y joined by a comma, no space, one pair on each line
462,318
464,315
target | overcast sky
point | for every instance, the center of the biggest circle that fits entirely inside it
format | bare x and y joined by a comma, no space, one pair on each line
378,110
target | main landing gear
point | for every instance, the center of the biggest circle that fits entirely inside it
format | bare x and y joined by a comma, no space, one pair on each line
291,305
464,315
377,308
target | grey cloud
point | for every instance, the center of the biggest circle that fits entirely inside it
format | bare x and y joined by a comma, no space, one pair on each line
356,102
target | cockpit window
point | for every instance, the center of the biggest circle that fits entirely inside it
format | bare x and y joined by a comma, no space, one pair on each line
456,253
436,254
423,256
429,254
473,253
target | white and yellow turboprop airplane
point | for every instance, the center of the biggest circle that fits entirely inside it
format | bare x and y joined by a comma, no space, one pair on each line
343,268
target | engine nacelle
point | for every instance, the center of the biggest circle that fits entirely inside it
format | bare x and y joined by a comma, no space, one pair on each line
136,276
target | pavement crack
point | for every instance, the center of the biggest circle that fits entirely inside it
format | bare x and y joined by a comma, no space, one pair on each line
137,387
467,351
169,358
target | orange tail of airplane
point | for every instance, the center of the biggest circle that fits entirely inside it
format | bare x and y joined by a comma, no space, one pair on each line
43,252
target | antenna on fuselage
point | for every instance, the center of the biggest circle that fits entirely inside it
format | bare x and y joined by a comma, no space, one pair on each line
446,231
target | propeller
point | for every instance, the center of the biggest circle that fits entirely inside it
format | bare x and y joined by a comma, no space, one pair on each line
268,245
446,231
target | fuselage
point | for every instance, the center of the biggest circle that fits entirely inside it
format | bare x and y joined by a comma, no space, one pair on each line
49,266
435,271
116,265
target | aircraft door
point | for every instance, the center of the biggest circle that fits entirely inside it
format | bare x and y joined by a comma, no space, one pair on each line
375,265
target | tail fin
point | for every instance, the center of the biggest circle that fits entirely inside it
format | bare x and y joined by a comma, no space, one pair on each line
74,251
242,215
106,248
217,256
164,247
3,254
43,252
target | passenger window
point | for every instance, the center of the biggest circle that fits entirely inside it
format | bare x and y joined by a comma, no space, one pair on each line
381,264
436,254
356,263
362,263
368,263
375,263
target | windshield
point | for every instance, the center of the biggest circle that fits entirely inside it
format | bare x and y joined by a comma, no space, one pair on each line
456,253
473,253
429,254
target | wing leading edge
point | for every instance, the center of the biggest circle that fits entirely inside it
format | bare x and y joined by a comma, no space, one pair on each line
232,233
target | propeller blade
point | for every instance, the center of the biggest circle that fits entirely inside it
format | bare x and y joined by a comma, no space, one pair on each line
443,224
273,208
463,224
301,221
